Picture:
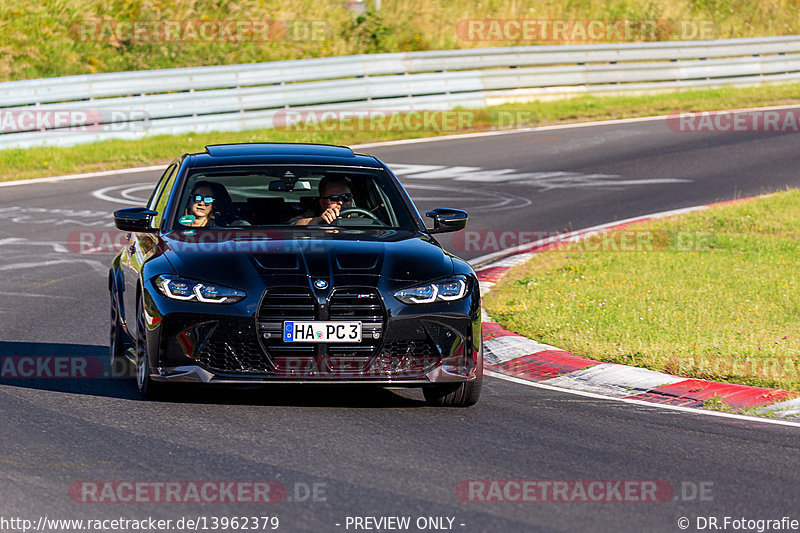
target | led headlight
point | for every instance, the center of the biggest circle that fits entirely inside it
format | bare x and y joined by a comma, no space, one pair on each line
179,288
453,288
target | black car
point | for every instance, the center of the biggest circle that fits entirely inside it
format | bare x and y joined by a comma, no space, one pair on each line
292,263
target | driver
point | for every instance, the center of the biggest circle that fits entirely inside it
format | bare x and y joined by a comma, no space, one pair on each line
335,194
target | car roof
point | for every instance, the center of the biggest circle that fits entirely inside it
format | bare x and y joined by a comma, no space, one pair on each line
281,153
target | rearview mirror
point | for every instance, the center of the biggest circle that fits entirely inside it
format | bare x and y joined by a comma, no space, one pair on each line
135,219
278,185
446,220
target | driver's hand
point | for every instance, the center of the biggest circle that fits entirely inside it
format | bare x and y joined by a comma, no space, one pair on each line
330,214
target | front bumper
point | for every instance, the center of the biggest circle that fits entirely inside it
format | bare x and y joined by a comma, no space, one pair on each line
412,348
197,374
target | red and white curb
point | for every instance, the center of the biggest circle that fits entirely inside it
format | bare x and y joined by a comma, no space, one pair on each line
510,354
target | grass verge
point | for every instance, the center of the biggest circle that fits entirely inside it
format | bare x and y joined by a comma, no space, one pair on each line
711,295
48,161
63,37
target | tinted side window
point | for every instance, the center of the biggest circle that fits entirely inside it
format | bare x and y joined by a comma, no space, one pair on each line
160,198
151,203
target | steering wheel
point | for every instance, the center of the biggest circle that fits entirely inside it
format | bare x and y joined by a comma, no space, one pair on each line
358,211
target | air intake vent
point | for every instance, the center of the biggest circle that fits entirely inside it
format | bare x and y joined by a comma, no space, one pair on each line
358,304
285,304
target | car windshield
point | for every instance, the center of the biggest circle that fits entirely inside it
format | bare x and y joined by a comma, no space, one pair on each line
260,196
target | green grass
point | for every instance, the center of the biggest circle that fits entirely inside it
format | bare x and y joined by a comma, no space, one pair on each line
711,295
38,42
48,161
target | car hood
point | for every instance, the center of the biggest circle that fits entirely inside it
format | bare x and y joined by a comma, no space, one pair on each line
293,255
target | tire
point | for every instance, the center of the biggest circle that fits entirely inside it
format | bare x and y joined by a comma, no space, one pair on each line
463,394
120,365
147,387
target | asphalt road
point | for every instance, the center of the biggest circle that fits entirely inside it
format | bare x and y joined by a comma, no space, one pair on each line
383,453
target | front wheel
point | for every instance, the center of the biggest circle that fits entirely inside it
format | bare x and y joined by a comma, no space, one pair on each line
120,366
147,387
454,394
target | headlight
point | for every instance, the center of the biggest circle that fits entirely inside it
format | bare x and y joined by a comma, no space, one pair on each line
453,288
186,289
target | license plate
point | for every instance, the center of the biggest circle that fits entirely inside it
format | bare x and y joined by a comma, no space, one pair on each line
321,331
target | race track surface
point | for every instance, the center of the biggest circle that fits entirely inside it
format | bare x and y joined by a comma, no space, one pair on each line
377,452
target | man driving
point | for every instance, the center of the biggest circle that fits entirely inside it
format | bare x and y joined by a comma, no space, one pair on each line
335,194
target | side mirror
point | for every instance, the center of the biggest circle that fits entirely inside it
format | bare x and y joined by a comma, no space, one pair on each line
446,220
135,219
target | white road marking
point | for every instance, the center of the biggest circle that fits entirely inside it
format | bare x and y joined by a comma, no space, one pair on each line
507,175
545,180
102,194
34,295
594,180
78,213
643,403
403,169
502,200
55,217
96,265
30,219
439,173
128,193
449,199
57,246
17,266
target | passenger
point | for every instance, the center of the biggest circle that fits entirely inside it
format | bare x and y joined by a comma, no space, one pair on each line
201,206
335,194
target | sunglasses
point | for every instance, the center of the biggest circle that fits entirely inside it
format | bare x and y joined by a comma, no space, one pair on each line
345,197
197,198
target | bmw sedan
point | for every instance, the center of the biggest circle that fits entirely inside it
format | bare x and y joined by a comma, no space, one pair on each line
292,263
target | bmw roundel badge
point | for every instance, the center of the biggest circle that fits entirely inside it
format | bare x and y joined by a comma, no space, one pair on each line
321,284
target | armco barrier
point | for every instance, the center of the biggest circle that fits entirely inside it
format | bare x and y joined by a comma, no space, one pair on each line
240,97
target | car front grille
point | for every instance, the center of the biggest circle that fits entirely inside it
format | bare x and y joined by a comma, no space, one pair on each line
265,353
356,304
288,304
282,304
347,304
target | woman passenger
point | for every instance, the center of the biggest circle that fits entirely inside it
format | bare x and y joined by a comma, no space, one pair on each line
201,207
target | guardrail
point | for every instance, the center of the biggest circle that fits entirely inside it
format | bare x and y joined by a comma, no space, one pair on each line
132,105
